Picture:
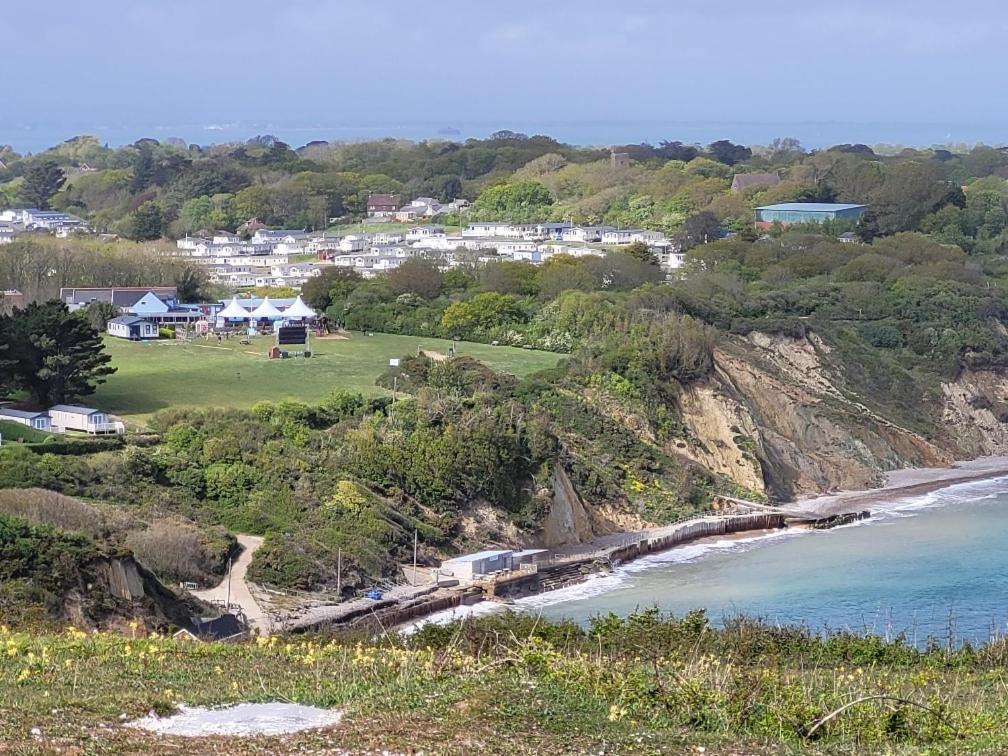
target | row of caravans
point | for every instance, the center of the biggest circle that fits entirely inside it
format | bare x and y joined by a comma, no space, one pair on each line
61,418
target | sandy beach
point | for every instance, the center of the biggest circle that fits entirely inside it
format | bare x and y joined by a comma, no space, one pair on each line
900,484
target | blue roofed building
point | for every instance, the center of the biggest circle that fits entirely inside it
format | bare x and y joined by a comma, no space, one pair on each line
789,213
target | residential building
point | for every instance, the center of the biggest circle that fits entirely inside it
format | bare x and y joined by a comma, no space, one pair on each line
585,234
7,233
38,420
619,159
421,207
743,181
274,236
66,417
382,205
424,232
33,219
122,297
788,213
131,327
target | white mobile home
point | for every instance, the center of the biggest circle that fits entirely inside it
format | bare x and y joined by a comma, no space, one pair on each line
132,328
73,417
468,566
37,420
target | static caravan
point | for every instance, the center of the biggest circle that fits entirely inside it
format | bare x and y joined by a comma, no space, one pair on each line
37,420
132,328
468,566
71,417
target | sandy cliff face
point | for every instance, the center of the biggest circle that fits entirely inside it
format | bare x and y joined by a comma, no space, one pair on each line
775,418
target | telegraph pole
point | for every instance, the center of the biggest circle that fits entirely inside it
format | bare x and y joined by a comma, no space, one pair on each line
414,554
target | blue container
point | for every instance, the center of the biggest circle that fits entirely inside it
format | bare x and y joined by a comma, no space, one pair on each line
374,594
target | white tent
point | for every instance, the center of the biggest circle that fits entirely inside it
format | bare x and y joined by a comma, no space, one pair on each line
234,311
299,310
266,311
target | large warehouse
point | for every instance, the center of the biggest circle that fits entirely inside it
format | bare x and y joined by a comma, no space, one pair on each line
787,213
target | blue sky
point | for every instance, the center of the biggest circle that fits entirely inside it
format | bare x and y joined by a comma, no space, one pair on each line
326,61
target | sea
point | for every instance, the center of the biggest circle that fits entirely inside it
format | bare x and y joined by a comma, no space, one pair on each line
29,136
933,566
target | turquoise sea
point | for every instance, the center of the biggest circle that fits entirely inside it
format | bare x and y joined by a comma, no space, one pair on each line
929,566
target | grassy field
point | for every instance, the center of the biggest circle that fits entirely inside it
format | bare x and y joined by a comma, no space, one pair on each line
512,687
16,432
152,376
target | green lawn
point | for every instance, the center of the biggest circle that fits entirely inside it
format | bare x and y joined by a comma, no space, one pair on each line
156,375
16,432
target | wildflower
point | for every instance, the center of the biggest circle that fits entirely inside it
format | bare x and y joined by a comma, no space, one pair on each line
616,713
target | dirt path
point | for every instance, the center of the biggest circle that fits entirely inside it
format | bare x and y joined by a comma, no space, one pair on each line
240,593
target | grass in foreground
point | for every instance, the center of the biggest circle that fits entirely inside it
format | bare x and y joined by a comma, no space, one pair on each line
518,685
152,376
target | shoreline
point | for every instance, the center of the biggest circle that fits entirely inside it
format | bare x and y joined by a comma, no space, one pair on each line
614,550
899,484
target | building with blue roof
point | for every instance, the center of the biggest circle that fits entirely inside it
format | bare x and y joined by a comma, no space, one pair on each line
789,213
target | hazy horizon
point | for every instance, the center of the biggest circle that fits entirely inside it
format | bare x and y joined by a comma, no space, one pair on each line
346,70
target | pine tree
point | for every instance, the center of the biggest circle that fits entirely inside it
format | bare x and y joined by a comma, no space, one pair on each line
53,354
41,182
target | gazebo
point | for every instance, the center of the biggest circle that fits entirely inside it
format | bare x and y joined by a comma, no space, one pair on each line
266,311
299,311
234,311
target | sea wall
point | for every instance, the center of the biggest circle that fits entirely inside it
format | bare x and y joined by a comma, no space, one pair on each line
696,530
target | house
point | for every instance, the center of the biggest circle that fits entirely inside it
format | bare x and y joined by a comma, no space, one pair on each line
849,237
122,297
469,566
489,229
42,220
585,234
38,420
620,235
7,234
788,213
225,237
353,243
66,417
421,207
131,327
274,236
743,181
225,628
382,205
423,232
619,159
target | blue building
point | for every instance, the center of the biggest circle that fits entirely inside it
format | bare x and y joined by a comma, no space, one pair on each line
787,213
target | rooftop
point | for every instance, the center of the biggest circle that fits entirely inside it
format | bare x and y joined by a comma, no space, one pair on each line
811,207
73,408
8,412
490,554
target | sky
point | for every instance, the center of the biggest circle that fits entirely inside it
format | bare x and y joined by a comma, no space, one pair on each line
326,63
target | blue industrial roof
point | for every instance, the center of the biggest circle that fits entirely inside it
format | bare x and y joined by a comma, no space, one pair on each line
810,207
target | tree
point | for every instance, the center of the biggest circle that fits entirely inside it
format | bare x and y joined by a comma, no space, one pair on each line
700,228
143,170
99,313
41,182
335,283
148,222
509,277
483,311
521,201
416,276
640,251
55,355
190,283
725,152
